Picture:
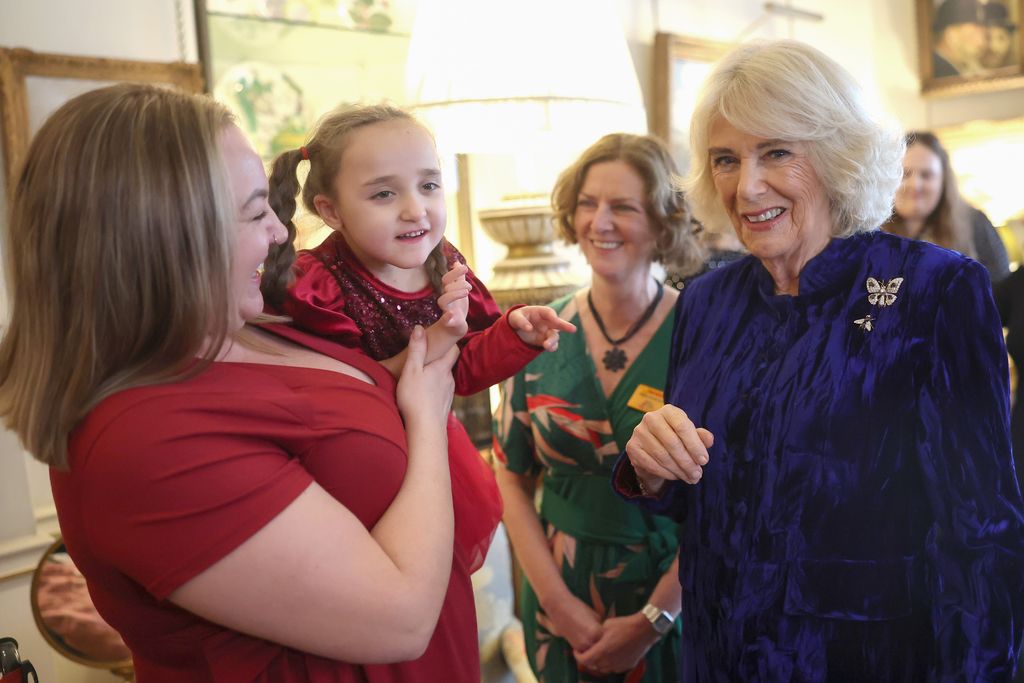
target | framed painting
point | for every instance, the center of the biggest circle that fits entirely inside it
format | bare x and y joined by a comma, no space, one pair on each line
33,85
680,66
967,46
279,66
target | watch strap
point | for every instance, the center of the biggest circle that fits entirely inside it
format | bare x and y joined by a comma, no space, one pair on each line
661,621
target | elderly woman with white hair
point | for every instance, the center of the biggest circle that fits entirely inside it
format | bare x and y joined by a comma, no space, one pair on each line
835,436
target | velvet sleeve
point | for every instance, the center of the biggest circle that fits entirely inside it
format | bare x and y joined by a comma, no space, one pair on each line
491,351
669,500
171,490
316,303
975,545
513,437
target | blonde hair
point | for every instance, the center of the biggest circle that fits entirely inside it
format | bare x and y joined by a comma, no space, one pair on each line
790,91
324,150
118,256
675,243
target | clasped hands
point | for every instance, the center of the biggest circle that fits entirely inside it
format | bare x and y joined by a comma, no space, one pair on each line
614,645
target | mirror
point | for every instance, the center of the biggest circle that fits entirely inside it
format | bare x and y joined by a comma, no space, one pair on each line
65,615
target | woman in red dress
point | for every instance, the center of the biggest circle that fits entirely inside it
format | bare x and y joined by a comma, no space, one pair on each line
246,502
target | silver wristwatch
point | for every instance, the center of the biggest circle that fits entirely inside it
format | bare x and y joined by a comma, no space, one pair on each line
661,621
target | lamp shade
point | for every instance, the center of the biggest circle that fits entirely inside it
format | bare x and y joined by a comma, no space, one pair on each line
492,76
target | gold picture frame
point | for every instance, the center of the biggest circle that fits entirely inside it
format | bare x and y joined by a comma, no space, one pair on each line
69,585
970,46
680,66
24,104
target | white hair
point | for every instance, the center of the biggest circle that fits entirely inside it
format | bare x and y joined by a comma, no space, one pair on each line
790,91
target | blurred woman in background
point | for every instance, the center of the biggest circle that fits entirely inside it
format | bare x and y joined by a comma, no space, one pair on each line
929,207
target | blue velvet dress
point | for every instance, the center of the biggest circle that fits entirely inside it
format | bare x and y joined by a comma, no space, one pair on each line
859,519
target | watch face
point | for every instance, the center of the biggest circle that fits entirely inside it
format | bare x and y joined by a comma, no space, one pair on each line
661,621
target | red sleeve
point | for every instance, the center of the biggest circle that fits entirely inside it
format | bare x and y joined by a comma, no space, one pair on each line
174,485
316,303
491,351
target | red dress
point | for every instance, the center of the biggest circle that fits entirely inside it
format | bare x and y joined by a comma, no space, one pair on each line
336,297
166,480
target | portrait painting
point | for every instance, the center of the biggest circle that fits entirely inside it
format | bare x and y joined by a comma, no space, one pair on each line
970,45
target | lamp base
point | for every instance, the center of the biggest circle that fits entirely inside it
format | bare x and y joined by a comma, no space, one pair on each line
531,272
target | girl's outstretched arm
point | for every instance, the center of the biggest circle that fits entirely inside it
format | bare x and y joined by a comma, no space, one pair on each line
539,326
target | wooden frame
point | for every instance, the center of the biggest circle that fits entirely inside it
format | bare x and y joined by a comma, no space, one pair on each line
980,49
124,668
18,65
680,65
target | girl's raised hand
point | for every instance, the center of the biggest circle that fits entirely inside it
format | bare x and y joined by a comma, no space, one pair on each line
454,300
539,326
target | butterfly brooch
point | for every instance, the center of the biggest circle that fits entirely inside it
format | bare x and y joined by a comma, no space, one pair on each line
883,293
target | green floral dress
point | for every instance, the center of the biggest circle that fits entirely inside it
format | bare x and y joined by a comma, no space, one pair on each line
555,420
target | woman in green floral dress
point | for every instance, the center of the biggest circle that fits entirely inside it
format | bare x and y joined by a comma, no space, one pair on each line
601,591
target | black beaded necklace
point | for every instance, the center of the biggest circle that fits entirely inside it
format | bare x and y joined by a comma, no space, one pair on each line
615,358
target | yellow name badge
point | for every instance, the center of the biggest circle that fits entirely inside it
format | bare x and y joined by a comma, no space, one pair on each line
645,399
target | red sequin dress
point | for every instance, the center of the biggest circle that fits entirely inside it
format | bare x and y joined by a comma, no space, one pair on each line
336,297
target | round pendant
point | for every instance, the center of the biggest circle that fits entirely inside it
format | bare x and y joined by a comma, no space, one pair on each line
614,359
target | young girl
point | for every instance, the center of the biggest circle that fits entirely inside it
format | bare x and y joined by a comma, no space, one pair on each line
374,178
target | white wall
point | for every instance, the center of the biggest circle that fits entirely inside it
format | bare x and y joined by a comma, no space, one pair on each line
123,29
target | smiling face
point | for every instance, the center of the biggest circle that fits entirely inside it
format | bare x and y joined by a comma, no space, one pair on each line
257,225
389,200
773,196
921,188
611,221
